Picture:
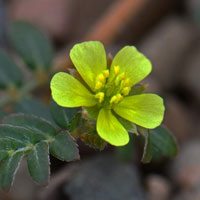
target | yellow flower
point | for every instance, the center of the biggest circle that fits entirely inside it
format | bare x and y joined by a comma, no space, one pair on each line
108,90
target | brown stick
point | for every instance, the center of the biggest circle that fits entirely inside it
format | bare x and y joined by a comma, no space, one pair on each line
107,27
114,19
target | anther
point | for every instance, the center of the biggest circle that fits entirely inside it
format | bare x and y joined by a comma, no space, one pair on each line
100,96
126,90
106,73
113,99
116,69
98,85
119,97
100,78
116,99
122,76
127,82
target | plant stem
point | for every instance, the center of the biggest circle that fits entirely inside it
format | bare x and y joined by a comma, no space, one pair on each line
8,98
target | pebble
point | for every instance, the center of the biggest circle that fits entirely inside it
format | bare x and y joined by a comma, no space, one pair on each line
158,187
186,167
105,177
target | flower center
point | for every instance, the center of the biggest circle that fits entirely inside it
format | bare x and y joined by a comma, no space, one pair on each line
111,91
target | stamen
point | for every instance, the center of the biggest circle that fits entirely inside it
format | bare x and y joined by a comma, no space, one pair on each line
122,76
119,97
106,73
98,85
116,99
127,82
113,99
116,69
126,90
100,96
100,78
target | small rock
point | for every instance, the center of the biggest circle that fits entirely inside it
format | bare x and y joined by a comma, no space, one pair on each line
158,187
166,47
50,15
186,166
105,178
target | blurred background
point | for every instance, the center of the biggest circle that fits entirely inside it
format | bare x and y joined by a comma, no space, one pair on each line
168,33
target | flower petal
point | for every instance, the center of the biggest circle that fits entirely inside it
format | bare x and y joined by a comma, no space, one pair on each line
69,92
110,129
133,63
89,59
146,110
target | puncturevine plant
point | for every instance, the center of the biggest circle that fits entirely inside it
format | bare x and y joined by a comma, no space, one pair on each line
107,90
102,103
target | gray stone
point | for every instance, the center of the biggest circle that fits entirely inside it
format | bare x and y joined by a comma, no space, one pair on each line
186,166
105,178
159,188
166,47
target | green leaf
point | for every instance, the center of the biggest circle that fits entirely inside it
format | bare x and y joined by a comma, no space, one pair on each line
64,117
5,146
32,45
8,169
19,135
10,74
38,163
32,136
64,147
33,107
148,152
163,143
38,127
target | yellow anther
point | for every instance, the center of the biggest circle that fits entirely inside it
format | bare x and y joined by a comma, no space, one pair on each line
116,69
126,90
116,99
119,97
113,99
98,85
122,76
127,82
106,73
100,96
100,78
